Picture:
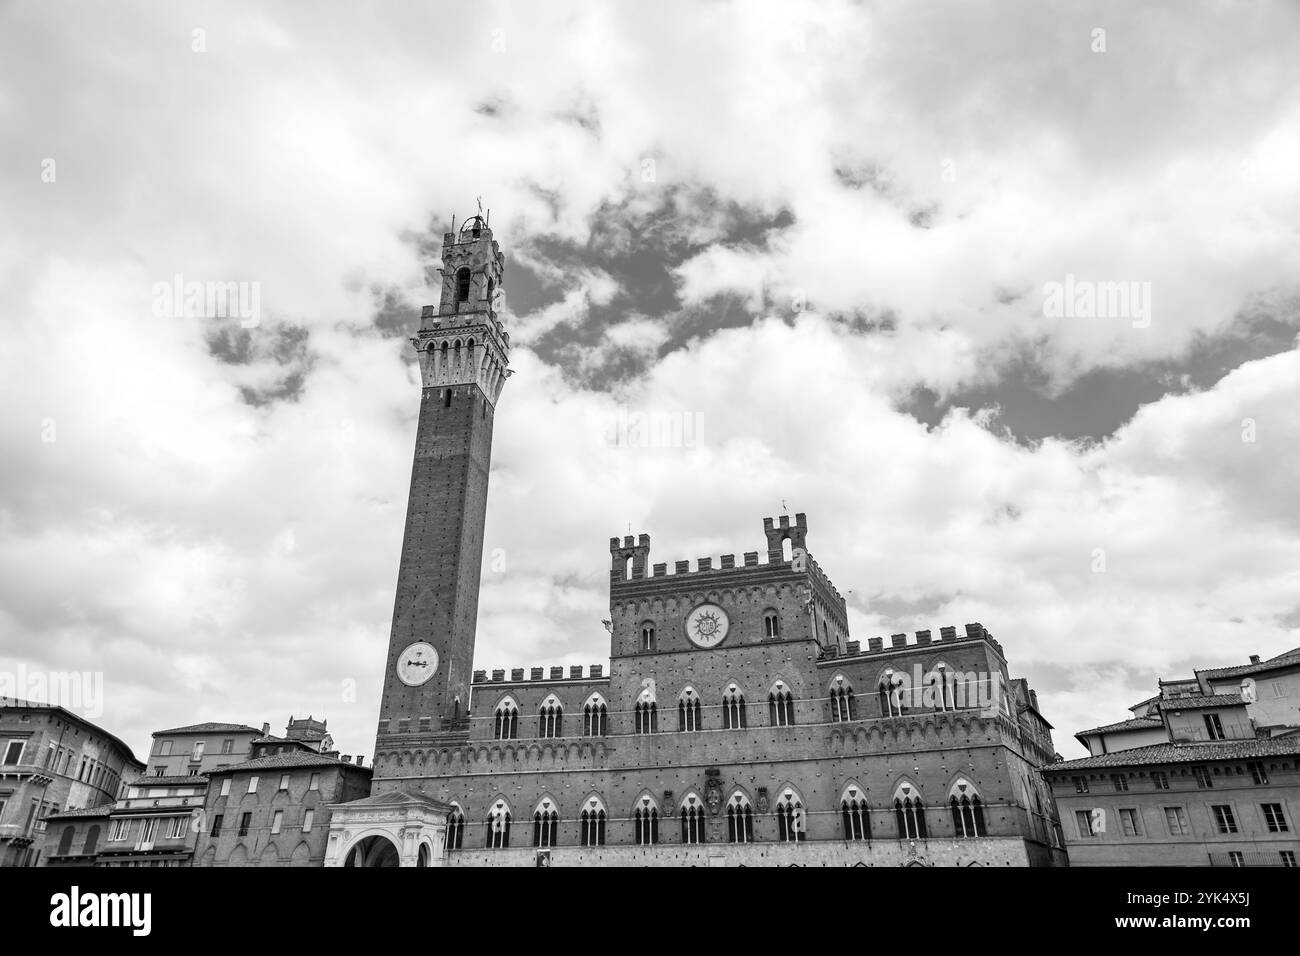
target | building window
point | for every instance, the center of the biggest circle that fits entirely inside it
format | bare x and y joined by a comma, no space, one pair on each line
506,723
314,782
1288,859
546,824
1274,817
592,822
1160,779
647,717
1224,818
1080,784
308,818
1176,820
646,817
462,285
692,817
647,636
177,828
771,624
740,819
909,813
1128,820
733,709
118,830
277,819
216,824
1083,820
842,704
245,821
1213,726
166,749
1203,780
595,717
228,746
225,787
550,718
284,781
252,784
148,830
791,818
455,829
1257,773
1119,781
967,811
688,711
14,752
780,706
854,813
891,698
197,754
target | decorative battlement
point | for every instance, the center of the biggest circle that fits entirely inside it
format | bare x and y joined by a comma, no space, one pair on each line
947,635
541,675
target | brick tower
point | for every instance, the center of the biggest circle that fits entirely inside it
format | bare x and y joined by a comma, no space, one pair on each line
463,353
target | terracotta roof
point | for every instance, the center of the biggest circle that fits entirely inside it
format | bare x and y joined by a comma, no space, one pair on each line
103,810
286,761
168,781
1133,723
1157,754
1285,659
211,728
1210,700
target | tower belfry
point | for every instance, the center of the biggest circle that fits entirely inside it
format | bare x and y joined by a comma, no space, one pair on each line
463,352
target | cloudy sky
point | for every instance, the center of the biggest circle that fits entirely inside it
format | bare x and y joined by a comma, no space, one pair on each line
824,237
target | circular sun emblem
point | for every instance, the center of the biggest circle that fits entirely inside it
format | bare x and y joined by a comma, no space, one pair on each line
706,626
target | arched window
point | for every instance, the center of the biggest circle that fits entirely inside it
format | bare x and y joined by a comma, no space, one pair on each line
92,840
692,817
733,709
740,819
941,689
780,705
462,285
967,811
65,840
646,816
592,822
455,828
491,289
854,812
791,817
909,812
647,636
505,725
891,697
646,711
498,826
595,717
842,704
546,823
550,718
771,624
688,711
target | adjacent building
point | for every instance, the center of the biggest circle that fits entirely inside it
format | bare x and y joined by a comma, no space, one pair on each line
1206,773
52,760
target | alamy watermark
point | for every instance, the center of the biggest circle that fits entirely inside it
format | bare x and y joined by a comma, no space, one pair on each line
1085,299
636,428
943,688
208,300
78,691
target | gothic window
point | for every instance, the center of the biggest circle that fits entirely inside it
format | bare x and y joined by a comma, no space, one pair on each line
647,636
944,687
692,817
780,705
853,810
646,710
595,717
771,624
791,817
891,696
967,812
842,703
740,819
592,822
733,709
455,828
909,812
505,725
550,718
646,817
688,711
462,285
546,823
498,826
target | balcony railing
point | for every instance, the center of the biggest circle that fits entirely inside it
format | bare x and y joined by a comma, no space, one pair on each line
1254,858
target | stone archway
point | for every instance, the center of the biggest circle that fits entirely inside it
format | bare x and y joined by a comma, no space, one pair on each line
374,852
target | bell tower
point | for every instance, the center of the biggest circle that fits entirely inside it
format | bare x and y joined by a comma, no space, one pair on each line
463,353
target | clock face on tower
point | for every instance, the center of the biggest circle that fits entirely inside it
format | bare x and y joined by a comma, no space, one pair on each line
706,626
417,663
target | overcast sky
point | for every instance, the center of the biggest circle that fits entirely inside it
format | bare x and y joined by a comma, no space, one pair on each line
822,235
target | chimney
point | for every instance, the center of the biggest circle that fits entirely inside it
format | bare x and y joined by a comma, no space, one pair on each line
360,760
1254,658
266,728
